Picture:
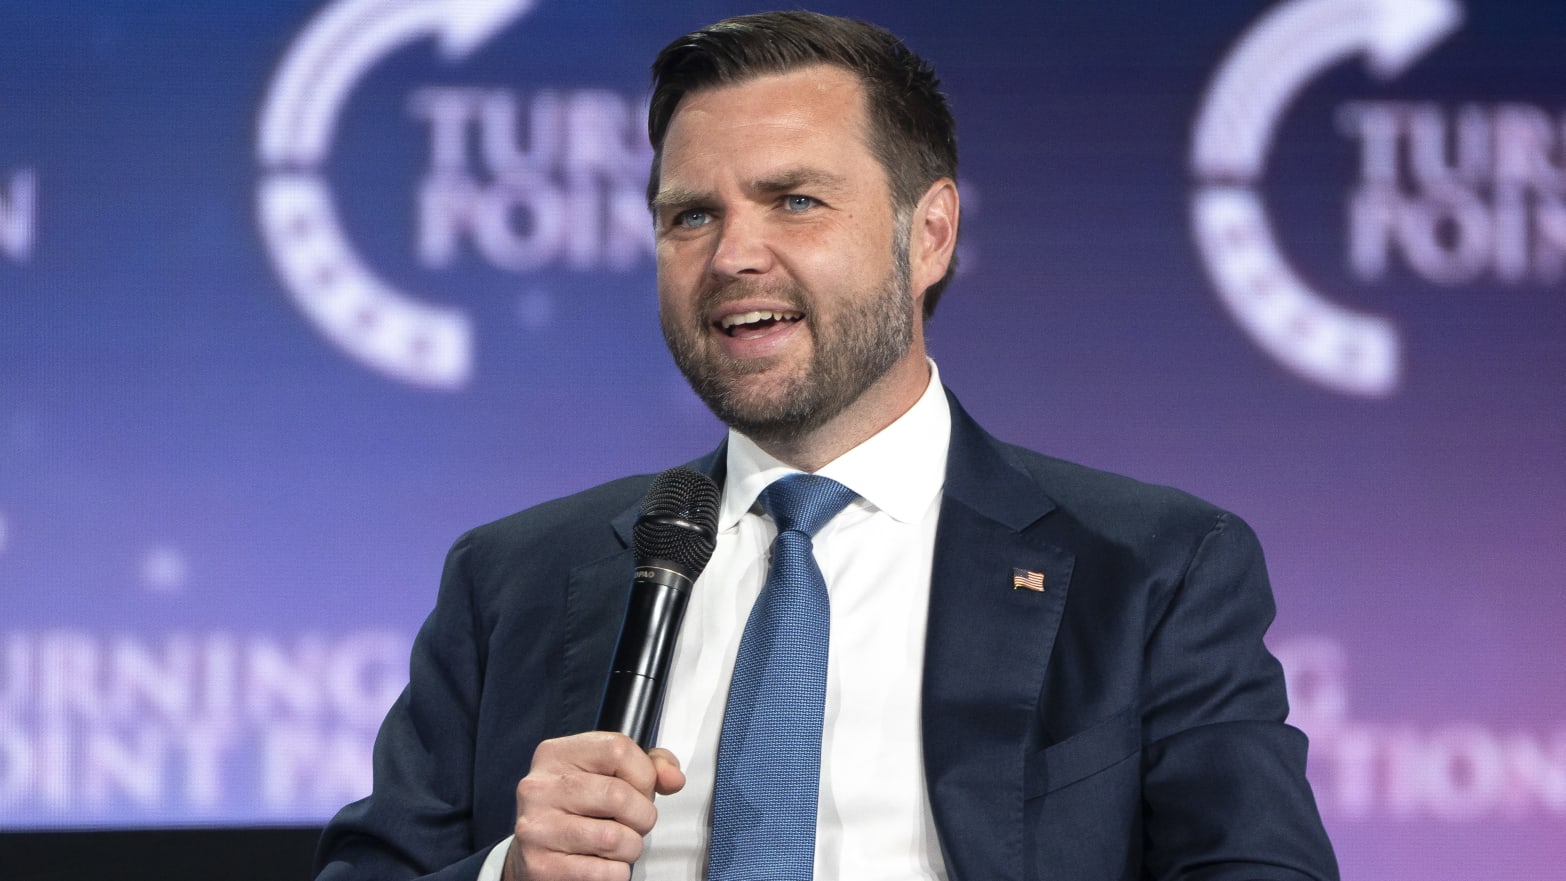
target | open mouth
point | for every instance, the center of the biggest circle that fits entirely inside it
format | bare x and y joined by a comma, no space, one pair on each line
749,324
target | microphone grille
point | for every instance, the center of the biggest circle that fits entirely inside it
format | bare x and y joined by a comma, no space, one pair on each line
679,521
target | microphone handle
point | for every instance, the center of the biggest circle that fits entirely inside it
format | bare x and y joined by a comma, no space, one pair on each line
633,698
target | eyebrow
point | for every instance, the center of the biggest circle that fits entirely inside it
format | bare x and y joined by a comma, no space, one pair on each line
675,198
784,181
798,179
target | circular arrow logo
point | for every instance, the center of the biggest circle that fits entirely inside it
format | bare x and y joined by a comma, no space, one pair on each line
381,326
1335,347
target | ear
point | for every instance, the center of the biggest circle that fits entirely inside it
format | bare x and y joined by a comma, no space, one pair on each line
933,234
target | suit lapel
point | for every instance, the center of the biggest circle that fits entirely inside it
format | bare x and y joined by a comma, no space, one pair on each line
598,592
986,649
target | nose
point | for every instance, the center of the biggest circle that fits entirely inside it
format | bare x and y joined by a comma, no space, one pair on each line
742,247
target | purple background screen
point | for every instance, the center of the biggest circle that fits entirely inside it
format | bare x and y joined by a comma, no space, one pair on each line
293,293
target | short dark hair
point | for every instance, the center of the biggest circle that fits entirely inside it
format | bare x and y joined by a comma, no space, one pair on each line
910,127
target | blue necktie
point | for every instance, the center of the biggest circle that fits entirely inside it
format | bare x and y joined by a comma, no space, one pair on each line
769,754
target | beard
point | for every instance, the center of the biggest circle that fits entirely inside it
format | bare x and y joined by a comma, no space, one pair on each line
849,354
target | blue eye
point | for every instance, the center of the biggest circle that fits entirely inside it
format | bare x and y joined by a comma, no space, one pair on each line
691,219
797,204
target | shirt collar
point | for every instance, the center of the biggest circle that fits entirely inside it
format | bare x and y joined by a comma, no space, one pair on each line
899,470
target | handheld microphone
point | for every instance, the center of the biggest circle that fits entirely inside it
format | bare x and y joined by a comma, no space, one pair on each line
673,540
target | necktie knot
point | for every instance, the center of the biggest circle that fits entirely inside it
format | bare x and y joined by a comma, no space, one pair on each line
805,502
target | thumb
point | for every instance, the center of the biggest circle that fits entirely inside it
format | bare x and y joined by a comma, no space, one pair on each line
670,778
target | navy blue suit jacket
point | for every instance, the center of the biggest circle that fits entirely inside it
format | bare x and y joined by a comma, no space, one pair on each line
1126,722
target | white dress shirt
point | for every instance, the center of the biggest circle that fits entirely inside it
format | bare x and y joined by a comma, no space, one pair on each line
873,815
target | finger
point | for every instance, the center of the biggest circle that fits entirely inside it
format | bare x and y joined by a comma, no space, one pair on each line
579,793
670,777
529,864
560,835
600,752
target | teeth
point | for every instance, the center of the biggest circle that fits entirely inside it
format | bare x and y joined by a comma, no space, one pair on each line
753,317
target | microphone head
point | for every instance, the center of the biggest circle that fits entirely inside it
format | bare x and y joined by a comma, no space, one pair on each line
679,522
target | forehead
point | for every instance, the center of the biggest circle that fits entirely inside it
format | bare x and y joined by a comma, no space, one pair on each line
815,114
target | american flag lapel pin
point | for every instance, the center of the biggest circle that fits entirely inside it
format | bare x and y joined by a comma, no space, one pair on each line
1026,579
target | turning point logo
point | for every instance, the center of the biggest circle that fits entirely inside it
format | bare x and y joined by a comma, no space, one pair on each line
1338,348
367,317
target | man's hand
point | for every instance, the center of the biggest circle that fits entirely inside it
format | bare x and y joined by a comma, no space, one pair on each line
584,806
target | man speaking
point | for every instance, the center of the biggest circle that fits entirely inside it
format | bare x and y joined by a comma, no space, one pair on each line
916,652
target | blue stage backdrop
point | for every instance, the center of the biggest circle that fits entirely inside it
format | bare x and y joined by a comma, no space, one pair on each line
292,293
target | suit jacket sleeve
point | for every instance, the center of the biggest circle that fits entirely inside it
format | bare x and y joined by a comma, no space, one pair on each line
1224,788
515,652
417,824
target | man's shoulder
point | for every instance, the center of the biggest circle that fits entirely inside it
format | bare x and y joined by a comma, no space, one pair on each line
590,511
1078,484
559,535
1114,504
503,563
1104,501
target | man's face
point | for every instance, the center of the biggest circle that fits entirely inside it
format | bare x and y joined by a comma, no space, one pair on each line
783,283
